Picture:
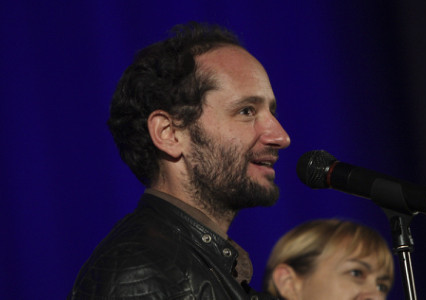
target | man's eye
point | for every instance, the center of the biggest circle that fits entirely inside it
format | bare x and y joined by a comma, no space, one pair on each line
249,111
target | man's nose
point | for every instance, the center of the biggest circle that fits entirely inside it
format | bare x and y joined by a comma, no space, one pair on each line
273,134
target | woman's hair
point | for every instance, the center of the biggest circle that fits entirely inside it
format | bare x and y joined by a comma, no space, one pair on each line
301,247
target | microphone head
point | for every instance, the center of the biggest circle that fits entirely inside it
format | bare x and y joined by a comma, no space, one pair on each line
313,166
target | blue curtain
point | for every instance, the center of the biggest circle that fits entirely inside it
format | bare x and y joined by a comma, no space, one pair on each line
349,77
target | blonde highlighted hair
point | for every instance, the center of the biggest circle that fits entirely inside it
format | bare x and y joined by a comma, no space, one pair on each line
301,246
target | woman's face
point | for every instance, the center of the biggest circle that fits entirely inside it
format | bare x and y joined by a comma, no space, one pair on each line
342,277
337,276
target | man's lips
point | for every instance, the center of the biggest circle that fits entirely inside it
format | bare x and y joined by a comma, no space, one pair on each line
267,161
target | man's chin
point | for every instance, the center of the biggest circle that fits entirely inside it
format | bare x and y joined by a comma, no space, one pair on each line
266,182
265,193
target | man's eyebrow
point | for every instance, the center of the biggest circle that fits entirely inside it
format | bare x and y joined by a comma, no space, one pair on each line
254,100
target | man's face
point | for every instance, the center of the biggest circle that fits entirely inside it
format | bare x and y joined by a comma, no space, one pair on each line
235,142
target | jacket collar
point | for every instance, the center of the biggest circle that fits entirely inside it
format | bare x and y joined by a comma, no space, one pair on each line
206,236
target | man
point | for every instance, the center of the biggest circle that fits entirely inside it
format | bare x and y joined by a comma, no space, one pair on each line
193,117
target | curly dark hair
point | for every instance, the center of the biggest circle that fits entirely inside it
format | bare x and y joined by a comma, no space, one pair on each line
162,76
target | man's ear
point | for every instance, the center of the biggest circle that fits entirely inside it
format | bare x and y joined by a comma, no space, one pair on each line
164,134
287,282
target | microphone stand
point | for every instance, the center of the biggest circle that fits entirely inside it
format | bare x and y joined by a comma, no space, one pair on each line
390,197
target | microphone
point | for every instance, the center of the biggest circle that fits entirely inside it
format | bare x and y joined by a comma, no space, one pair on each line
319,169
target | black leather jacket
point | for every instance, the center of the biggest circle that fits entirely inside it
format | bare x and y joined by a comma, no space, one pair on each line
160,252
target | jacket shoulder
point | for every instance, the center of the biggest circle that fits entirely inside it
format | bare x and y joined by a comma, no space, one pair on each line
141,257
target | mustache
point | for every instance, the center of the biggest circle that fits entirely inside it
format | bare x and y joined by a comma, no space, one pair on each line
265,152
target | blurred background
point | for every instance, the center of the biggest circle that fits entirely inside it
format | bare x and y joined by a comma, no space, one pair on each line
349,77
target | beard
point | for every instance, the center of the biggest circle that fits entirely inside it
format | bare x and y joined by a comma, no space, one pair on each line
218,177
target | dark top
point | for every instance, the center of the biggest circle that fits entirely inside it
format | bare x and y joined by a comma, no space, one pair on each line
161,252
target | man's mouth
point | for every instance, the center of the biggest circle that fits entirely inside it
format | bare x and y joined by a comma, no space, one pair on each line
265,162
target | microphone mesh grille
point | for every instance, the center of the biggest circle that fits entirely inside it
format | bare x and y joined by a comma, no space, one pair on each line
313,166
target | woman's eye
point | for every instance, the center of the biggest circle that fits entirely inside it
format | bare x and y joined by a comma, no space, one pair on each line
383,288
356,273
249,111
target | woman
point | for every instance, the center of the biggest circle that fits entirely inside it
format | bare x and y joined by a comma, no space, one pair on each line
330,259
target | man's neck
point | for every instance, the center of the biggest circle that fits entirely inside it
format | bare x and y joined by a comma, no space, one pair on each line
221,220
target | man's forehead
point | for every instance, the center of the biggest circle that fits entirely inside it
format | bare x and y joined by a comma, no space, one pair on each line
226,57
221,51
238,75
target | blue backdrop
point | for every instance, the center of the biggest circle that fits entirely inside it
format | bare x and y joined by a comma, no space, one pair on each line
349,77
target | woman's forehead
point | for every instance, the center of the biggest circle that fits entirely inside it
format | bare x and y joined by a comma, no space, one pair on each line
377,259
